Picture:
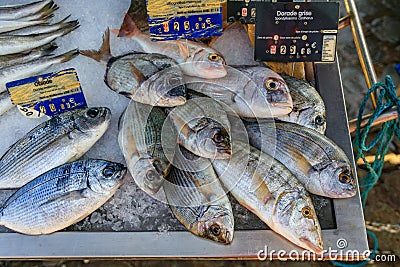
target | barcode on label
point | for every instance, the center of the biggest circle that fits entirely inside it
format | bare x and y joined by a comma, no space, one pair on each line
328,48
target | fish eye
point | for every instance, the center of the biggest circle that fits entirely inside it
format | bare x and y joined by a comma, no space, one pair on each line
108,171
173,81
218,138
93,112
319,120
214,57
271,84
306,211
344,178
150,175
215,229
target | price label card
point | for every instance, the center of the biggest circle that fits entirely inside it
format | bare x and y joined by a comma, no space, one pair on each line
48,94
301,31
182,19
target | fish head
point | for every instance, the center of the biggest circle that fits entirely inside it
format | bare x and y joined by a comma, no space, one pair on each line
319,119
309,115
295,218
337,180
106,176
216,224
205,63
93,120
211,139
166,88
149,174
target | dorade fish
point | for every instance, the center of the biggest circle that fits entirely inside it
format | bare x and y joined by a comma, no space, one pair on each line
255,92
201,126
140,142
308,106
319,164
62,196
270,190
63,138
197,198
151,79
195,59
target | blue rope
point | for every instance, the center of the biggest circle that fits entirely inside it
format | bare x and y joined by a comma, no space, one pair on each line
385,101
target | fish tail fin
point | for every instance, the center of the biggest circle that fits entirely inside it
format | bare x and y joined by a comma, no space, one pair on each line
104,53
69,27
128,29
48,48
48,10
68,55
64,20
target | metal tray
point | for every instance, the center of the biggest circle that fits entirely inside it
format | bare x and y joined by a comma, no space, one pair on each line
133,224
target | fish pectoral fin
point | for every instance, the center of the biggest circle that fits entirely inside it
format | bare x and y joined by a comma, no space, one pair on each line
183,51
139,76
68,196
301,162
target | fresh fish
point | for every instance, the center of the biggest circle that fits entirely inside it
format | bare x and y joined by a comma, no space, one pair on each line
21,12
198,200
151,79
308,106
63,138
140,142
202,127
23,70
44,28
20,58
317,162
248,91
269,190
11,44
195,59
61,196
10,25
5,103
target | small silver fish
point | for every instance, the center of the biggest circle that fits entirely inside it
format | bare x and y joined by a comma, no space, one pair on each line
202,127
10,25
318,163
23,12
61,139
268,189
146,78
308,106
195,59
198,200
247,91
140,142
44,28
62,196
23,70
15,59
11,44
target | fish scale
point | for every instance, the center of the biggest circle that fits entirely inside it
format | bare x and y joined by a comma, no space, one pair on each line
61,196
63,138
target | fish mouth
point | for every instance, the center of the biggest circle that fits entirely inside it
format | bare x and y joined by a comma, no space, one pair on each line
228,238
215,73
223,154
317,249
177,91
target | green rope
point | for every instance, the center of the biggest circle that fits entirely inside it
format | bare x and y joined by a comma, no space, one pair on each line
386,100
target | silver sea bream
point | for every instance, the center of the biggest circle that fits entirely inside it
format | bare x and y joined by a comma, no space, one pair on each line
62,196
63,138
308,106
151,79
255,92
318,163
140,142
197,198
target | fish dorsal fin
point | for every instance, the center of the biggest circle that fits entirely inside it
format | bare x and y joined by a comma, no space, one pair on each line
104,53
128,28
68,196
183,50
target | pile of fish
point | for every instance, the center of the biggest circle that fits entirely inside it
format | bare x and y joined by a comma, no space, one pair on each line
27,42
199,129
